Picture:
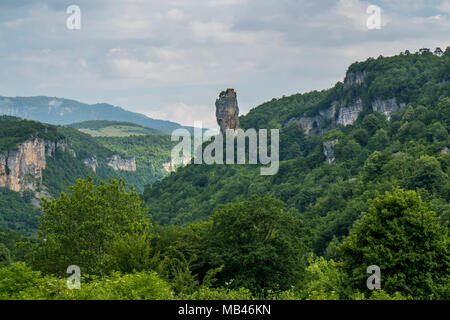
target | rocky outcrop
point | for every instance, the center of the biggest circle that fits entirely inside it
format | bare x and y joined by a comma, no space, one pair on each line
310,125
326,118
52,146
328,150
353,79
314,125
330,112
38,195
349,115
172,165
227,111
169,167
21,169
445,151
118,163
387,106
91,162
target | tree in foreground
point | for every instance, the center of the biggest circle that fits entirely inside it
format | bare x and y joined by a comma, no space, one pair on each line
259,244
90,227
402,236
19,282
5,256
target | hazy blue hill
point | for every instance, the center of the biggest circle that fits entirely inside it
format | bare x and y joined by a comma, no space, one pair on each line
64,111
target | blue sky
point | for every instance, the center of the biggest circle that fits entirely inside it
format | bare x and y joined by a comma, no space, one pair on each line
170,59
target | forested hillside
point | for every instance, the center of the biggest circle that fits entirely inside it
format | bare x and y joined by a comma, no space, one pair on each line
374,155
13,131
363,181
54,157
150,151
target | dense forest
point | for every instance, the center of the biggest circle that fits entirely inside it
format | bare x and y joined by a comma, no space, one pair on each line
15,130
63,168
150,151
308,232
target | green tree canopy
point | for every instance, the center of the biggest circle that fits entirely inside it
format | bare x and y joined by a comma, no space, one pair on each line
259,243
82,228
402,236
5,256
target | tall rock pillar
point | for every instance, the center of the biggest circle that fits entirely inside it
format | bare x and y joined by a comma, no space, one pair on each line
227,111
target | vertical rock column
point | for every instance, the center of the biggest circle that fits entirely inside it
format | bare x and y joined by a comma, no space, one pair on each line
227,111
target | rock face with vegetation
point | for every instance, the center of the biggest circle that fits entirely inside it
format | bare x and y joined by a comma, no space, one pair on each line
316,125
21,168
91,162
227,111
387,106
328,150
353,79
118,163
349,115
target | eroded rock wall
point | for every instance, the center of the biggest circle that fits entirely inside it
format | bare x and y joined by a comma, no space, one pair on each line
349,115
118,163
21,169
387,106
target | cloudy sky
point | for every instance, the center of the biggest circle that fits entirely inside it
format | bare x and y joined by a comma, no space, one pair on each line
169,59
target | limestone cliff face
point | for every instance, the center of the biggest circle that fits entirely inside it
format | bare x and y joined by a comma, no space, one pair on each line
118,163
348,115
172,165
326,119
21,169
314,125
91,162
353,79
310,125
387,106
52,146
227,111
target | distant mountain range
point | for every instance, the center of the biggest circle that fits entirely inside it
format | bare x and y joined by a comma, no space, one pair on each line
64,111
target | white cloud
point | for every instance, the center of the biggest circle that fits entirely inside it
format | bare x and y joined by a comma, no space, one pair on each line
218,3
186,114
355,11
14,23
147,53
223,33
444,6
175,14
